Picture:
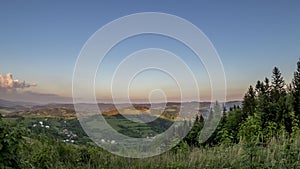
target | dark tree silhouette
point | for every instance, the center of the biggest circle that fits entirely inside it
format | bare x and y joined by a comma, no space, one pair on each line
296,91
249,102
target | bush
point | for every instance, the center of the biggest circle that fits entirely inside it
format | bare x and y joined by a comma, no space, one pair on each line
11,143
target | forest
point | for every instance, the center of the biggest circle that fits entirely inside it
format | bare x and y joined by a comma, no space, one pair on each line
262,133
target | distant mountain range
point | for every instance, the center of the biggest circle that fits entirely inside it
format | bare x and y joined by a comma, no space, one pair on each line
11,108
6,103
7,107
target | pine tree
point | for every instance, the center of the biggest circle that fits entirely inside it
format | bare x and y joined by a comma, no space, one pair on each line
278,98
278,85
249,102
267,88
263,101
296,91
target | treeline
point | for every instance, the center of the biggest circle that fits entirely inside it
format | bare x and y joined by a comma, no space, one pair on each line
270,108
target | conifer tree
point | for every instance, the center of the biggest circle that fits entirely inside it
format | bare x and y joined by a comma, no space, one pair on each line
278,98
278,85
249,102
263,100
296,91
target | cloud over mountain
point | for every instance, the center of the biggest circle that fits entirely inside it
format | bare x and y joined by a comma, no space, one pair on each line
8,83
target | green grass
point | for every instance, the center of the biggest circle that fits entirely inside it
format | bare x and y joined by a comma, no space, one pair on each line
129,128
278,153
44,151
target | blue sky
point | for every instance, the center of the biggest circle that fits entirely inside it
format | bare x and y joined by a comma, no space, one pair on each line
40,40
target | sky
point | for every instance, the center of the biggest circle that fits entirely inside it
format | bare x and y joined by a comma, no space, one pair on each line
41,40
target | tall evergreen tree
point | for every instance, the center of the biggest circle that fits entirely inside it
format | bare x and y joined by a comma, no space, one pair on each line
263,100
296,91
278,98
278,85
267,88
249,102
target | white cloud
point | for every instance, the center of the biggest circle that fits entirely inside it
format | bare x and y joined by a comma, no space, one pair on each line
8,83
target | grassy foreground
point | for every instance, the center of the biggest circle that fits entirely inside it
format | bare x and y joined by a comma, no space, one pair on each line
43,152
